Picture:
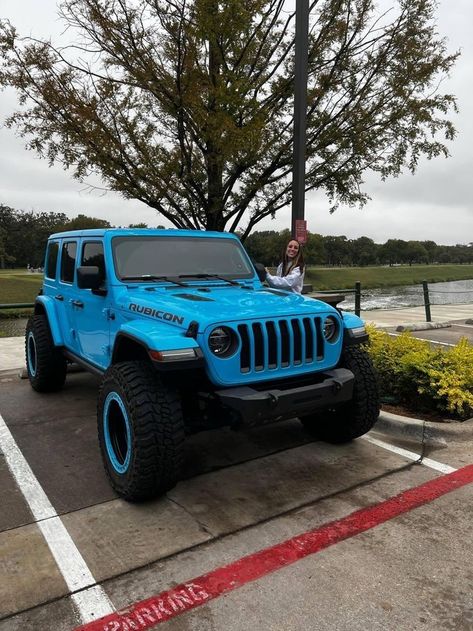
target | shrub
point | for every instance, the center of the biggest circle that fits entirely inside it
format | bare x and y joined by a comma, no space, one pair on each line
423,377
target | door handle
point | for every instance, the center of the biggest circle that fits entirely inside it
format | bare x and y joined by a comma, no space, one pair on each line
59,297
77,303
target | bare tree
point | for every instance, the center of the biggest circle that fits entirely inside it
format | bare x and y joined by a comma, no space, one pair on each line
187,105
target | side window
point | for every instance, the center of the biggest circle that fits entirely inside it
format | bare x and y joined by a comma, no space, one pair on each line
92,254
51,259
68,261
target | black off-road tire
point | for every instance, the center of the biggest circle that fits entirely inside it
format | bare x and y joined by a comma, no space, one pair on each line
356,417
141,431
45,363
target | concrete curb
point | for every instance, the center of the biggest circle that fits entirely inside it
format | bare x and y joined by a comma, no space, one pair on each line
435,434
423,326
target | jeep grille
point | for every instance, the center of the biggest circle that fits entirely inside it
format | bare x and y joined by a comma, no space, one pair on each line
280,343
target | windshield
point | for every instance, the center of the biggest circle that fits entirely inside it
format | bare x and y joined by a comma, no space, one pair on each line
180,256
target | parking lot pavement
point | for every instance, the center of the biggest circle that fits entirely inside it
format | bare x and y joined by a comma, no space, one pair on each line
242,493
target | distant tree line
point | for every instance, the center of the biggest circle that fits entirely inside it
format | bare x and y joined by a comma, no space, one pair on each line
267,247
23,236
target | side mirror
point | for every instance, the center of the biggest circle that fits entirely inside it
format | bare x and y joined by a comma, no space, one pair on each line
260,270
89,277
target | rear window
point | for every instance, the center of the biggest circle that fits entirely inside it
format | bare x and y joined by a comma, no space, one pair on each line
68,261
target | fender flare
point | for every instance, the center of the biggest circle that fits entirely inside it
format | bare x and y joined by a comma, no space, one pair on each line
49,307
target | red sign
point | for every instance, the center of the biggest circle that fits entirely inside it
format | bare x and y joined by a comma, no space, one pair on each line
301,231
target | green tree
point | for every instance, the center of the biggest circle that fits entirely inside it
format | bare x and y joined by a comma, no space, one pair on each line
337,250
393,251
4,256
416,253
27,233
364,251
187,105
82,222
432,250
314,249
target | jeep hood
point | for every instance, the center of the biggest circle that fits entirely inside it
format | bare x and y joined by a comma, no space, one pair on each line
214,304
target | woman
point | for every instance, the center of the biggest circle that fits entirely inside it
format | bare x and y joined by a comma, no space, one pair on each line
290,272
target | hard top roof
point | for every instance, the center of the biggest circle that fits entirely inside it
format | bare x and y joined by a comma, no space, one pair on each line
145,232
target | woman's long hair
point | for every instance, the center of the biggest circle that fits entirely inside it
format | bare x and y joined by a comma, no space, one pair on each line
298,261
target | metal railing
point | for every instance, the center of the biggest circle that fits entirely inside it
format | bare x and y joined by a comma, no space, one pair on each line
17,305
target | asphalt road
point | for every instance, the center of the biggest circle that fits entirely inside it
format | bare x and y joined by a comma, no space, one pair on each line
242,493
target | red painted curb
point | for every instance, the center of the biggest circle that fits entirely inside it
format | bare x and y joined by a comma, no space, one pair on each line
152,611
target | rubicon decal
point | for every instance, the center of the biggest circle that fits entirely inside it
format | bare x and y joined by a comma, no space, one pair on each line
156,313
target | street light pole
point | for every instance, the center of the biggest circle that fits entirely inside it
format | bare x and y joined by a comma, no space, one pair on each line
300,111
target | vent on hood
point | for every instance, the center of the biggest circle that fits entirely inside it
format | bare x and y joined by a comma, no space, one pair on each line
195,297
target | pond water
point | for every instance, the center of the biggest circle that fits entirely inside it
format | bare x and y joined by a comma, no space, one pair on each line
452,292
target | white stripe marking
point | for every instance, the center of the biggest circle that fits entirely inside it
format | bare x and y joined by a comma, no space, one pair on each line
91,603
411,455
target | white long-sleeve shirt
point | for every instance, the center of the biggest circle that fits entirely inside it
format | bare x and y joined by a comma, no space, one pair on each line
294,281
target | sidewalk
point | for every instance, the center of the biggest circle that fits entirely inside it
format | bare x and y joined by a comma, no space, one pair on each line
12,353
416,315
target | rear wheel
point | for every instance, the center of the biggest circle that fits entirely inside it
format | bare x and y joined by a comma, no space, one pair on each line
356,417
45,363
141,431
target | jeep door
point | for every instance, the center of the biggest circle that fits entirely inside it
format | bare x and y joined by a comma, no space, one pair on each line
65,294
89,309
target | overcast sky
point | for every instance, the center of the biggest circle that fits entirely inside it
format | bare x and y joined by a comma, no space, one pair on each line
435,203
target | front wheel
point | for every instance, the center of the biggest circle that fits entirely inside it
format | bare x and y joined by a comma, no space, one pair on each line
141,431
45,364
356,417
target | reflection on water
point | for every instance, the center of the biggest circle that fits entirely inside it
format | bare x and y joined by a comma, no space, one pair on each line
452,292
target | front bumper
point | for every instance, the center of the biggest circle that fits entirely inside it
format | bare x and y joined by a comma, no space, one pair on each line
256,406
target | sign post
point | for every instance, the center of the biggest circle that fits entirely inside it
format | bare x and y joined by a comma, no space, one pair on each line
300,111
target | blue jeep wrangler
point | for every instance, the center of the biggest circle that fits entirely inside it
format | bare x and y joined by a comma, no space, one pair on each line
185,336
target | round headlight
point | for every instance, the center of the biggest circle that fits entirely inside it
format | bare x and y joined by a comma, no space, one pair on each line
330,329
220,341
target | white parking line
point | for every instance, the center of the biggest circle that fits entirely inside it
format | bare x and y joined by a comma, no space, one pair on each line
411,455
92,602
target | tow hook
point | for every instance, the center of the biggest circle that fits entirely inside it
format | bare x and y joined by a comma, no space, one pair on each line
336,386
272,400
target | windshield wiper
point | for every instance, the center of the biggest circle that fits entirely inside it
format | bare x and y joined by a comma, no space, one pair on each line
146,277
209,276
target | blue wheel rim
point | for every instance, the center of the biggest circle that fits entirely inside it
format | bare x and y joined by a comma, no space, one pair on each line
31,354
117,432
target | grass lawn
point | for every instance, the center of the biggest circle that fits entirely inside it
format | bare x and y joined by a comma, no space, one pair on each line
371,277
18,286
